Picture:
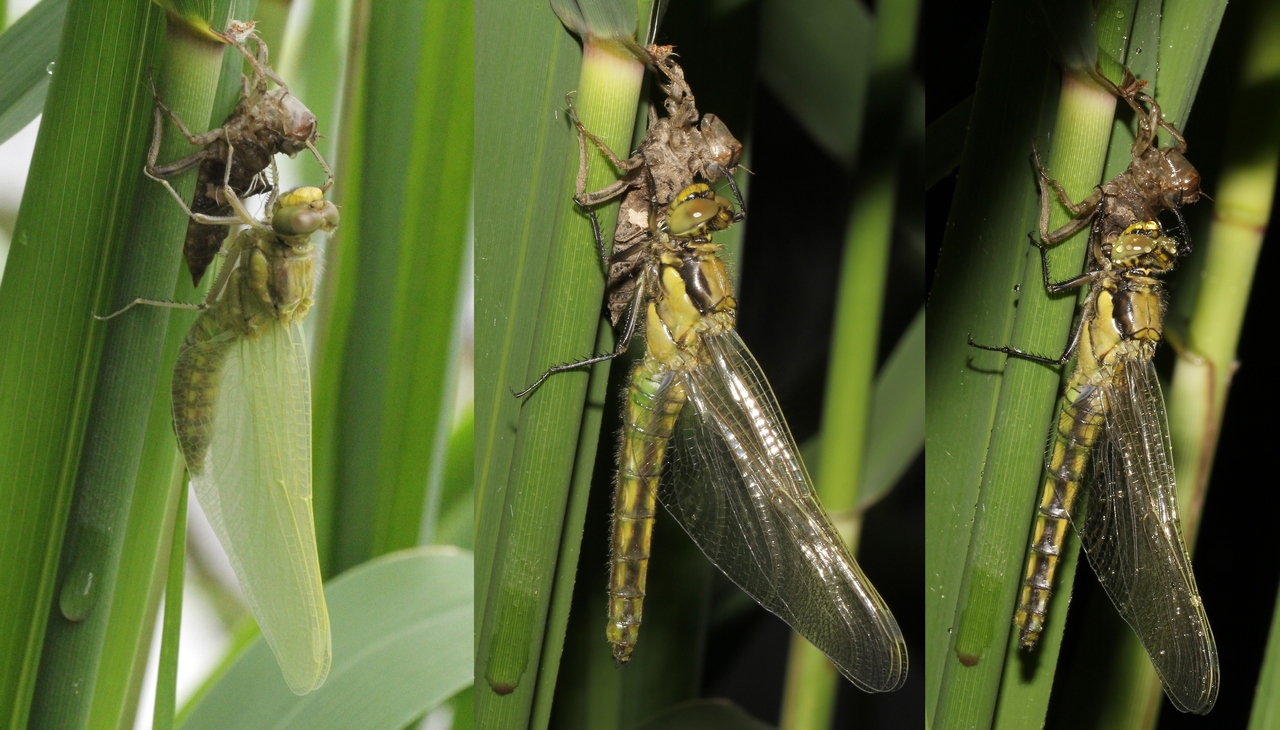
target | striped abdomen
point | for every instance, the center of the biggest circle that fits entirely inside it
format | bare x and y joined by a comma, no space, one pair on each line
1080,420
196,377
653,402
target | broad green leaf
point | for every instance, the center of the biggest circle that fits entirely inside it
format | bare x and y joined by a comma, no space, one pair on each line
402,628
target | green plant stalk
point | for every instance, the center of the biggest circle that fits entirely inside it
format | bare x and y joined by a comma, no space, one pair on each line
810,687
412,234
1187,31
167,673
1266,698
77,210
160,482
336,294
1242,208
526,148
808,697
94,557
1010,482
589,437
517,601
982,260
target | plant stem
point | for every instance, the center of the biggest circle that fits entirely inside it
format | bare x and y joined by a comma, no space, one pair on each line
997,545
167,674
517,602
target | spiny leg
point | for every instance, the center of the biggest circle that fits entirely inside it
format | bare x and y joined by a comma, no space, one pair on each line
625,342
1059,286
1061,360
328,172
149,303
741,215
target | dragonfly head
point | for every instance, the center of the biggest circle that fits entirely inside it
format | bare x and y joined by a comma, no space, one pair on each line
1144,245
697,211
297,123
303,211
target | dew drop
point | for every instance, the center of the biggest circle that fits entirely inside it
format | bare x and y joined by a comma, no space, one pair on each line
1119,14
49,69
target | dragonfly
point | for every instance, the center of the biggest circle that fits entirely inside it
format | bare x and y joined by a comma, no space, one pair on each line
264,123
242,416
702,430
1109,469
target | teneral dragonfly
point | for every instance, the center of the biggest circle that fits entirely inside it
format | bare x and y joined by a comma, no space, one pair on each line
1109,469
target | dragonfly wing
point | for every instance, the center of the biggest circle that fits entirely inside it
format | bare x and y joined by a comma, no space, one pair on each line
740,490
1128,525
255,486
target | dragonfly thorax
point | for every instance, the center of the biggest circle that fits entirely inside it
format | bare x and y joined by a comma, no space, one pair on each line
1144,246
693,297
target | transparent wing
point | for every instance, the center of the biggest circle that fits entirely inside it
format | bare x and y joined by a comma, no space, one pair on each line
255,486
1128,525
740,490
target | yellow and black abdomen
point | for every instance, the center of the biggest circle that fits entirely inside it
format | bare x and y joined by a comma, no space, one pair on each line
654,401
1079,423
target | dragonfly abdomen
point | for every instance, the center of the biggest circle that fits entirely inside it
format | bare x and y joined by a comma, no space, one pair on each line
196,378
1080,421
654,401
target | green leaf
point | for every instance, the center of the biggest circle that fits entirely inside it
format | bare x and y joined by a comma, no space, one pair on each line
385,381
816,56
897,409
27,52
402,628
944,142
112,555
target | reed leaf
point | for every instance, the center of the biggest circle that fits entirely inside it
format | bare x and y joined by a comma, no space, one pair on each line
27,49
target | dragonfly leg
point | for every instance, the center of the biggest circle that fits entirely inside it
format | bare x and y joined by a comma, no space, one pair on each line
209,220
1081,212
741,215
595,230
1063,359
197,140
150,303
328,172
1058,286
619,349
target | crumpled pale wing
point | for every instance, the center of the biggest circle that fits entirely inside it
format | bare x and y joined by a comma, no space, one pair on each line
740,490
1128,525
255,487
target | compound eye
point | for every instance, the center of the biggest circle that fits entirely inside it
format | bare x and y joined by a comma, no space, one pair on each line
305,218
693,216
1131,245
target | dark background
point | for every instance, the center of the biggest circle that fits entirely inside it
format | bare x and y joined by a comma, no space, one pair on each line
1234,565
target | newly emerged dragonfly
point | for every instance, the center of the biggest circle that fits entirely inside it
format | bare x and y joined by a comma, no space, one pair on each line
1109,469
242,415
734,480
264,123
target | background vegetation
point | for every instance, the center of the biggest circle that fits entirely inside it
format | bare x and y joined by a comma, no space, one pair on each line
89,474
